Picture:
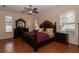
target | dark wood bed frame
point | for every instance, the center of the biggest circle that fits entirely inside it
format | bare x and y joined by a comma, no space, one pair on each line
32,41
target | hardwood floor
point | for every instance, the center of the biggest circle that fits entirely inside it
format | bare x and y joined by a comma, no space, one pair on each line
18,46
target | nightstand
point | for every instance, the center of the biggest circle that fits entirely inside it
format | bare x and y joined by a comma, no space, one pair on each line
61,38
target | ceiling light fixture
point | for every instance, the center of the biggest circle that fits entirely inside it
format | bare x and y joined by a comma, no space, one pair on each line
30,10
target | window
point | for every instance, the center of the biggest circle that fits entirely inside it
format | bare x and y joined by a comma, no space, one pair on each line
8,23
67,22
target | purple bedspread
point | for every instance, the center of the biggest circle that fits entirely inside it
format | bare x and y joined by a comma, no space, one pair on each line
41,36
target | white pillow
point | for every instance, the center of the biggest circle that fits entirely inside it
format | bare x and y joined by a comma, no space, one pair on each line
49,31
41,29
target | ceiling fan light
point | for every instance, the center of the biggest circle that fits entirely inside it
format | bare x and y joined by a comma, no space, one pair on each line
30,12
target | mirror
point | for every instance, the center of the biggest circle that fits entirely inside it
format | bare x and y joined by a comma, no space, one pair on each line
20,23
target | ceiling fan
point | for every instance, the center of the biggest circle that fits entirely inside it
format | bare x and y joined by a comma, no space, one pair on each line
30,10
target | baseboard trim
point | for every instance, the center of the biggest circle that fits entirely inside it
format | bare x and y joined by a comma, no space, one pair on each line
74,43
6,38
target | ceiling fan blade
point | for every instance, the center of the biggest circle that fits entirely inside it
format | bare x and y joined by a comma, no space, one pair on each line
34,8
36,11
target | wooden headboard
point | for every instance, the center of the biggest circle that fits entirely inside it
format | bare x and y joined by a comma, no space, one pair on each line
48,24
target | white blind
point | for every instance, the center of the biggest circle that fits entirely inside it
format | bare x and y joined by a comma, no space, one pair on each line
8,23
68,22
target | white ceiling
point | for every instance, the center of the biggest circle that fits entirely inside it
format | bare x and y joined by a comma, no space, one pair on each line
20,8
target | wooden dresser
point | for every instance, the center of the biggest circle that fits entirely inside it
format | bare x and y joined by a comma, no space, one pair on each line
18,32
20,27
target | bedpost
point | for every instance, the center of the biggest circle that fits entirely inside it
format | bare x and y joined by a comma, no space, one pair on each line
35,47
55,27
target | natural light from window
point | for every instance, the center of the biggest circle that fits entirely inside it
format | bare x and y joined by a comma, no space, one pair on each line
8,23
67,22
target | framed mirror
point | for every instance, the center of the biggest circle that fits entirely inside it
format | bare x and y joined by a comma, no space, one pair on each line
20,23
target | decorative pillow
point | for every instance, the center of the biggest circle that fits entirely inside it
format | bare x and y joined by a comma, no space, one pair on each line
49,31
41,29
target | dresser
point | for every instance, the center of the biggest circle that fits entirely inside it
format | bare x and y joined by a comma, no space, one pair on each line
20,28
18,32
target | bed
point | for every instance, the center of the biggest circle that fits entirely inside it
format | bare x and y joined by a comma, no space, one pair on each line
43,36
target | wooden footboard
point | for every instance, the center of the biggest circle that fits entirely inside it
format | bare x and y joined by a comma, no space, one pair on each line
32,41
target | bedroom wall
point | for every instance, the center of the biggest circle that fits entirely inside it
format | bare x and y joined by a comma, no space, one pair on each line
54,16
28,19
